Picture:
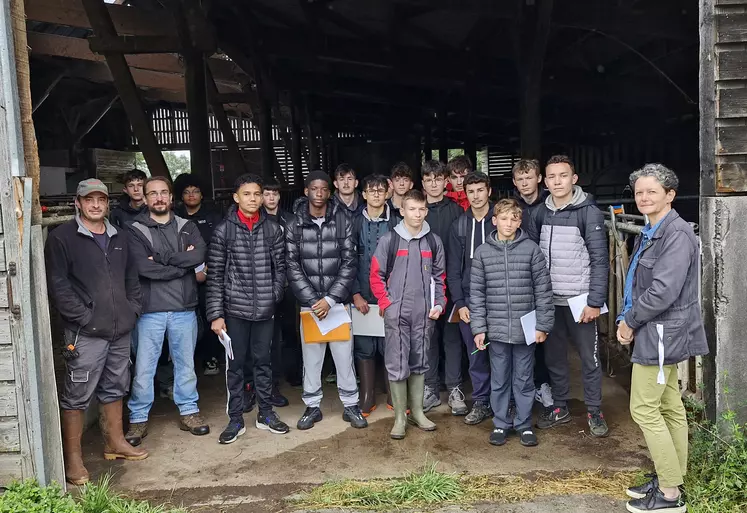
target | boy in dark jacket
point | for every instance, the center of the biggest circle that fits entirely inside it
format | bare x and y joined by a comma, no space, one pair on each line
369,226
570,231
509,280
346,189
245,281
132,202
166,250
402,180
320,255
442,212
467,233
407,278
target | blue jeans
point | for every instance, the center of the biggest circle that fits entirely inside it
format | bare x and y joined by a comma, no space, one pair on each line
181,330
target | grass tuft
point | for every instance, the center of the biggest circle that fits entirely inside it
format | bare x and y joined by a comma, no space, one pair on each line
428,487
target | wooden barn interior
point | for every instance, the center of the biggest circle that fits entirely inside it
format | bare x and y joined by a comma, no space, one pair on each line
279,87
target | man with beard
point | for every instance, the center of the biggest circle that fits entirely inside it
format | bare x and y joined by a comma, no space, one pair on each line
93,284
166,250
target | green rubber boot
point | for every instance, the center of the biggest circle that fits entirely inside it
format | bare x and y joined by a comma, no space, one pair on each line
399,401
417,417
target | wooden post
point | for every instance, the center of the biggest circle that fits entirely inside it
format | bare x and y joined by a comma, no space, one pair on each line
443,135
470,146
51,84
103,27
428,138
229,138
199,129
531,44
30,148
266,145
94,120
296,150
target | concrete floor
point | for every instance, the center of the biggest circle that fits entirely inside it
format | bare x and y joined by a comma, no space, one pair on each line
260,466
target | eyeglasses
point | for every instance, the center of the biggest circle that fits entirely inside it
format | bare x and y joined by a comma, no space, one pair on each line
376,192
430,181
156,194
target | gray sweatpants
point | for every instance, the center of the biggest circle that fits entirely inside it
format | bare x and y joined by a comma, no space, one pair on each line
313,359
585,338
511,370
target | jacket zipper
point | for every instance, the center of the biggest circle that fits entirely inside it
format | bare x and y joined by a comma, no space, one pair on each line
549,249
254,273
508,289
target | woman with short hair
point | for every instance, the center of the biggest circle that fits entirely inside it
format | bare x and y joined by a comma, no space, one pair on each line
661,312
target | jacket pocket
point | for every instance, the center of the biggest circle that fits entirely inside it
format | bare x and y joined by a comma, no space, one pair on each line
675,340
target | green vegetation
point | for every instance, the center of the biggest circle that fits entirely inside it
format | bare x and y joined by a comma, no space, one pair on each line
29,497
716,481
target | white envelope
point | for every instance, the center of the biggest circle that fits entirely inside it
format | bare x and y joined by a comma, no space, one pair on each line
529,325
578,303
369,325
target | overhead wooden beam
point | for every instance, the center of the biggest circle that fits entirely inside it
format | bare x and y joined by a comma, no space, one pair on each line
101,72
103,26
138,44
106,105
52,82
125,19
42,44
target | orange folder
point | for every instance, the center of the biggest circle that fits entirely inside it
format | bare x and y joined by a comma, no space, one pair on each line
312,335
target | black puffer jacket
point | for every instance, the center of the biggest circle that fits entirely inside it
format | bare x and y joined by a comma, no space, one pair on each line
321,261
246,269
509,280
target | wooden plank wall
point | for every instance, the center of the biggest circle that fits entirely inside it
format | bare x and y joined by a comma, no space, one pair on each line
730,70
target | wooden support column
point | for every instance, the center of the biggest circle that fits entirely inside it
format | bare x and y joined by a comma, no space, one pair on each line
534,27
264,123
470,145
199,129
428,138
142,126
105,106
296,147
313,142
443,135
229,138
50,85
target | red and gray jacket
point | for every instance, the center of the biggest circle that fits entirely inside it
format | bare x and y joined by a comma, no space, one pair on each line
422,255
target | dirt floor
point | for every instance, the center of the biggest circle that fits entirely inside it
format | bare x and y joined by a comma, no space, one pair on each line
258,471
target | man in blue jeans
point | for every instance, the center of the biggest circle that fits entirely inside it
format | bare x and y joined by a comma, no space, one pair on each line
166,249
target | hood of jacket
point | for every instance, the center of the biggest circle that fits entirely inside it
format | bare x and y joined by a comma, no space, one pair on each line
579,199
357,200
384,216
232,216
403,232
144,218
519,237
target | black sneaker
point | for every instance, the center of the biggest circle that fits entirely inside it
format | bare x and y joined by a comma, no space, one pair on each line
655,501
354,415
250,398
639,492
270,422
309,417
597,424
550,417
277,399
498,437
528,438
480,411
234,429
211,367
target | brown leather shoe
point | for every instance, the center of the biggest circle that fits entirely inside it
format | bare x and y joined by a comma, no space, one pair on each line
194,423
115,445
136,433
72,432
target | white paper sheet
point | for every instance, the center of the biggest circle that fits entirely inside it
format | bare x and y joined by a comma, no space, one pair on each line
578,303
529,325
433,293
226,341
369,325
336,317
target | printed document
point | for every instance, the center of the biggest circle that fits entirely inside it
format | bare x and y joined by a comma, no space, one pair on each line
578,303
336,317
369,325
226,341
529,325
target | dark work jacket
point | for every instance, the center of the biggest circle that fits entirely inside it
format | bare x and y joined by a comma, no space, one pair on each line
465,236
367,234
318,263
526,208
95,291
358,203
395,211
246,275
124,214
283,217
665,291
168,280
205,218
440,217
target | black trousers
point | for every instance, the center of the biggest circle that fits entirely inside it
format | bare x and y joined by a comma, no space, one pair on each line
251,341
208,345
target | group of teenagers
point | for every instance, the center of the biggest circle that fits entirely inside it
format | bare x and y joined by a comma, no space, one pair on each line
448,270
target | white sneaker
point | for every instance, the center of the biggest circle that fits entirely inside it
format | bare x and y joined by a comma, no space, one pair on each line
456,402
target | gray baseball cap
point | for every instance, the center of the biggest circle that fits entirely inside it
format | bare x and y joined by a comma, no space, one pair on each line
86,187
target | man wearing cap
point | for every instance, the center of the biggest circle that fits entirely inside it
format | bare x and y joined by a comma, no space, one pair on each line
94,286
321,268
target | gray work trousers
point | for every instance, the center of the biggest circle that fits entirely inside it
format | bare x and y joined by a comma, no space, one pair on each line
313,359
